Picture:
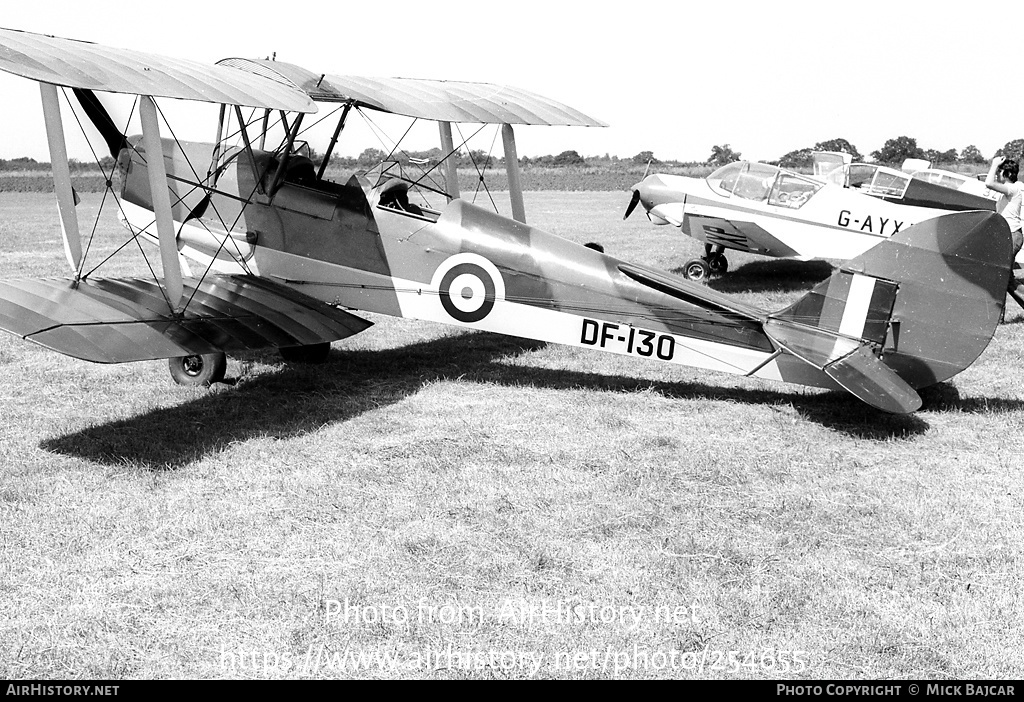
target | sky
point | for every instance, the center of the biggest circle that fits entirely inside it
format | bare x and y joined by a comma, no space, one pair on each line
674,78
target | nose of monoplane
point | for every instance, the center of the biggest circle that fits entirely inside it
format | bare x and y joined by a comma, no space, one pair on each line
646,192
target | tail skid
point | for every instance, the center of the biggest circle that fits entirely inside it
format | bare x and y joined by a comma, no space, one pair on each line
913,311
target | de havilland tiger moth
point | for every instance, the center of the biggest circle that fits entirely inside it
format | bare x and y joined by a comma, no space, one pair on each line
285,256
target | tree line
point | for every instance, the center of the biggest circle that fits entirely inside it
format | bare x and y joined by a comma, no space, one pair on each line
894,152
24,163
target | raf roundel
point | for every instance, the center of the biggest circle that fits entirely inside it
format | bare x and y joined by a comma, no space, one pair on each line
468,286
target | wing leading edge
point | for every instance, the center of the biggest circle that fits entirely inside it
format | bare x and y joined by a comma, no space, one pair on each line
116,320
437,100
79,64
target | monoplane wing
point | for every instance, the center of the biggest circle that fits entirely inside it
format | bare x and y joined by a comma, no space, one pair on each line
437,100
79,64
738,234
127,319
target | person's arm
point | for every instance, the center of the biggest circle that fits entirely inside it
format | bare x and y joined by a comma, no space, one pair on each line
990,179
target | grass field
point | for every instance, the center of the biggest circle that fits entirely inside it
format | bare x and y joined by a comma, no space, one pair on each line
437,503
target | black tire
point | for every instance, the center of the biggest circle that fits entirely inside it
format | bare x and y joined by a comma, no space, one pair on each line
313,353
198,371
697,269
718,264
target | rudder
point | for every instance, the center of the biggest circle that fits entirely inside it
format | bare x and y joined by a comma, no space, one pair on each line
927,301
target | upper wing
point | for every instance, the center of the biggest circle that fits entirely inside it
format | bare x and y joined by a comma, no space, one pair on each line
127,319
438,100
79,64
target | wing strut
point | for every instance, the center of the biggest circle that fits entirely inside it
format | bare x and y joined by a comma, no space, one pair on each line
293,132
217,146
61,175
451,168
161,202
243,127
333,142
515,184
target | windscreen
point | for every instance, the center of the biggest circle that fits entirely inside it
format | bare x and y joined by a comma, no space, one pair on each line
750,181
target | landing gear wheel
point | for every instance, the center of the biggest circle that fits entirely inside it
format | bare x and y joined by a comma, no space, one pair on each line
198,371
718,264
313,353
697,269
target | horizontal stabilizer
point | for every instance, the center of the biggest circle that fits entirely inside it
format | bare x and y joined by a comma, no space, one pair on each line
848,362
928,300
115,320
862,374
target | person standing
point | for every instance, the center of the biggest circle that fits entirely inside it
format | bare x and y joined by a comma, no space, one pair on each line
1002,178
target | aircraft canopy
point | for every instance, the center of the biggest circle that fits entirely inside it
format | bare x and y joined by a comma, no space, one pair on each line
877,180
763,183
957,181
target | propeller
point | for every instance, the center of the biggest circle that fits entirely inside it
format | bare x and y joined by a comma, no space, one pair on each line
633,202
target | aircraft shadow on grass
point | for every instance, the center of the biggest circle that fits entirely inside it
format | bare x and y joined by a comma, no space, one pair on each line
776,275
301,399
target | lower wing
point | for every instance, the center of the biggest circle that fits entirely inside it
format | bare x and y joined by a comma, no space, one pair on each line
115,320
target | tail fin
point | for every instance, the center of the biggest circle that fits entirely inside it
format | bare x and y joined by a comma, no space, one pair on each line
913,311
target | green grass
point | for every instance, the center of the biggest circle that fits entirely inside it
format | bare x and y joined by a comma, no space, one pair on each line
152,531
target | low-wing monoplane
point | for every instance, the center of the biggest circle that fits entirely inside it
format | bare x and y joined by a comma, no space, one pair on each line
285,253
956,181
767,210
914,185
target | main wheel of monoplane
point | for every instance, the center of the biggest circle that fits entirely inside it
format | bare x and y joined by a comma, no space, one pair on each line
697,269
312,353
718,264
196,371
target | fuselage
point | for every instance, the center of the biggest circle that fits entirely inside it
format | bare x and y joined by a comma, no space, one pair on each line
359,247
792,217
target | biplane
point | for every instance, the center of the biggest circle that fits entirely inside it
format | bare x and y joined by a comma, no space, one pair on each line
283,256
767,210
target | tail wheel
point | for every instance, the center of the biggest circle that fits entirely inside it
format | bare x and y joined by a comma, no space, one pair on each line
697,270
198,371
718,264
311,353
